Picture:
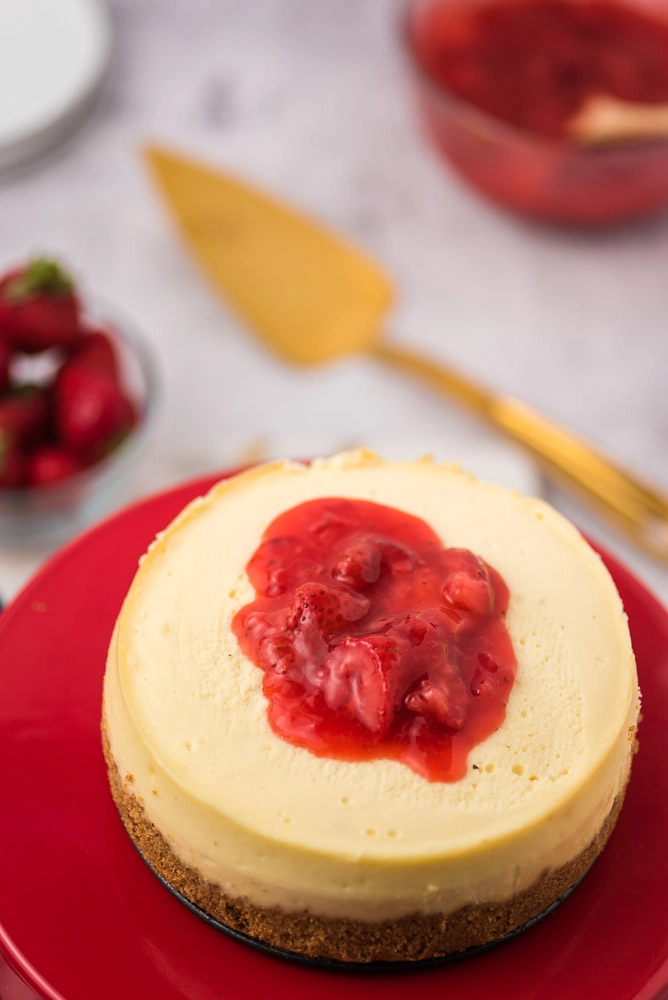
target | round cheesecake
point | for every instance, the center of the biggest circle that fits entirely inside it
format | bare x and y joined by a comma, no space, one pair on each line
366,860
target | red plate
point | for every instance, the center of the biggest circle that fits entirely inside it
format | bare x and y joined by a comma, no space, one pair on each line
82,918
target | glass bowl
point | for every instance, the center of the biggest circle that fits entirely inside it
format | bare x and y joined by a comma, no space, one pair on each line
551,179
52,514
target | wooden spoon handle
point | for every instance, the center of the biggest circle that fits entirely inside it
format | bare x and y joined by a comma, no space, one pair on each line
636,507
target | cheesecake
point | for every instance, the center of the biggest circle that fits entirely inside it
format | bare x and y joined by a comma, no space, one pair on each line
365,711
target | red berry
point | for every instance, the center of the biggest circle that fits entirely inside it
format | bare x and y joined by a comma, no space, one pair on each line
25,415
95,351
90,409
51,464
38,307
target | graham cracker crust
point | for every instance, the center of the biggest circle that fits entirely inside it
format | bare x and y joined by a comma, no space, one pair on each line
413,938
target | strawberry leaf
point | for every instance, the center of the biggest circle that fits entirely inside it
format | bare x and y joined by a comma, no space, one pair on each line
43,276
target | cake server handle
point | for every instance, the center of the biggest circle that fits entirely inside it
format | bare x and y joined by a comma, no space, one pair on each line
636,507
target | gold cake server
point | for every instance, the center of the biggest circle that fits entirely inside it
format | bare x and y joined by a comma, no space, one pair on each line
312,297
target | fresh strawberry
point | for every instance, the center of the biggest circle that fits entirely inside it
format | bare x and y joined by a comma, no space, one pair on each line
5,359
95,350
325,609
51,464
25,415
90,409
12,466
38,307
126,421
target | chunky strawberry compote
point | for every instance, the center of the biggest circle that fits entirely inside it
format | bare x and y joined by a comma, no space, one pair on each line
374,639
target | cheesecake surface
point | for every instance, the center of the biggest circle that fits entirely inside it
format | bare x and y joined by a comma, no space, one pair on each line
279,827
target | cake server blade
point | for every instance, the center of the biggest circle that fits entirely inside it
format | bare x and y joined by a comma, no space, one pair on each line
308,295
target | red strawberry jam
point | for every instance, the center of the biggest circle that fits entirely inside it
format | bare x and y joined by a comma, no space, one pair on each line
374,639
533,63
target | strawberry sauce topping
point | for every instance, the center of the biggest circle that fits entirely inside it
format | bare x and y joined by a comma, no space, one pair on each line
374,639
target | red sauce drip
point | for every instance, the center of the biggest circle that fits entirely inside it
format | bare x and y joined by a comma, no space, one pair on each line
533,63
374,639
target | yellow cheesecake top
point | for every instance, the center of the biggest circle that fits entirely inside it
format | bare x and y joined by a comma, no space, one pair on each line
197,704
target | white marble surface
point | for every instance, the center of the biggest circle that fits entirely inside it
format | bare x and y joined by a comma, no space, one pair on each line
310,99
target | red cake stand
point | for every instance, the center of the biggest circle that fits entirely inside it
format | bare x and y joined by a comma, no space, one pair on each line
82,918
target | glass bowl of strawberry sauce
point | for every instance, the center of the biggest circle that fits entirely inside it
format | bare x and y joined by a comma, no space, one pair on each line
78,394
504,86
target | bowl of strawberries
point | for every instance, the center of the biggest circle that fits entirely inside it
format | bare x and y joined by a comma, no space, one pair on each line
77,393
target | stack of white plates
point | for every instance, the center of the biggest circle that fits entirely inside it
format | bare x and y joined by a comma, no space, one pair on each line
53,58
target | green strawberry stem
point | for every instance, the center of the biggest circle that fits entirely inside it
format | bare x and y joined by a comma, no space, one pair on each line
42,277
